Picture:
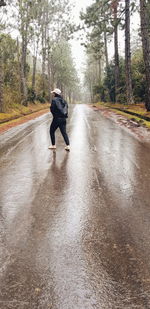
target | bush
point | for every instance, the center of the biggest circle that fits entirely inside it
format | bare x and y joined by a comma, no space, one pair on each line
40,98
31,95
11,97
138,76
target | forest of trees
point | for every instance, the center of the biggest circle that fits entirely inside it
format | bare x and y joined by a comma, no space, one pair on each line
124,79
35,53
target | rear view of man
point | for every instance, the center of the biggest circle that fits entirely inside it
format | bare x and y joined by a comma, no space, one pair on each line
59,110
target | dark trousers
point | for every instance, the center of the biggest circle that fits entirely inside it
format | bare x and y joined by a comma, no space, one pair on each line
61,124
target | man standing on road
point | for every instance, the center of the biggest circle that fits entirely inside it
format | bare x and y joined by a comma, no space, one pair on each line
59,110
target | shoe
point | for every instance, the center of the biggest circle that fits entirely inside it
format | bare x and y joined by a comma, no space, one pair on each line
67,148
52,147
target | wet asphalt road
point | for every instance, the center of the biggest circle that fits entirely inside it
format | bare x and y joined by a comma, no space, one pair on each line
74,227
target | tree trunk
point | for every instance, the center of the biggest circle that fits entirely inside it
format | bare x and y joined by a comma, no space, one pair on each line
35,63
129,92
106,49
146,47
70,96
25,20
44,32
19,65
100,70
24,91
91,91
116,50
1,84
2,3
64,92
49,78
34,71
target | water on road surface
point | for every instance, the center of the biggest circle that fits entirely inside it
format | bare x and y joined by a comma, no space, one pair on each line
74,227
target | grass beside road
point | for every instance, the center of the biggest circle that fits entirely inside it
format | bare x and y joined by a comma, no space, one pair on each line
135,112
21,114
19,110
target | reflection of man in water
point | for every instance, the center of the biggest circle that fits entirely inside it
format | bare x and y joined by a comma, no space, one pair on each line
59,168
59,110
58,172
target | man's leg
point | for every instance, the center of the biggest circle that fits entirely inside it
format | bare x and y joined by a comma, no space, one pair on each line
62,127
53,128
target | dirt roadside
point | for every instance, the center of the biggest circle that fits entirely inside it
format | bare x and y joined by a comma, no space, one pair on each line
13,123
135,112
129,122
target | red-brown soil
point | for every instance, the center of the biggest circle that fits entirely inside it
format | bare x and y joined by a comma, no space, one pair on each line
13,123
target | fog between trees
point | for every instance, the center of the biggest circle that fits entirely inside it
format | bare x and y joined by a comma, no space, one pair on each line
35,53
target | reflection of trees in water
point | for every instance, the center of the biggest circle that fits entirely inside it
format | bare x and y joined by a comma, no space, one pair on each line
45,209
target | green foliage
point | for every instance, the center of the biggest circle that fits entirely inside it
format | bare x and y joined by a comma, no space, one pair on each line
138,76
106,90
109,82
31,95
41,57
10,70
97,20
101,93
100,21
40,98
9,60
11,96
44,28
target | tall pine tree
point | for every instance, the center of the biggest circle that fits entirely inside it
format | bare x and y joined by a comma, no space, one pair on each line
145,32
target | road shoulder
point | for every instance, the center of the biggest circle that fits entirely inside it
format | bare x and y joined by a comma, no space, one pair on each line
15,122
138,127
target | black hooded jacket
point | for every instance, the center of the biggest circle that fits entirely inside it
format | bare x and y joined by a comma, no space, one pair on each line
59,108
